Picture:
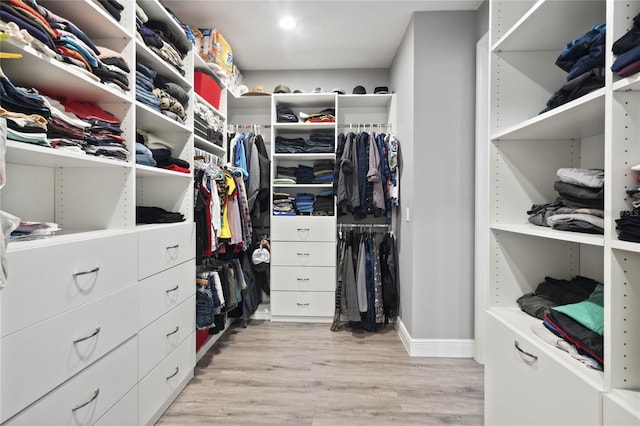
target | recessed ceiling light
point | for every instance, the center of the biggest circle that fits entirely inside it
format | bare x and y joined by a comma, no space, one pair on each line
288,23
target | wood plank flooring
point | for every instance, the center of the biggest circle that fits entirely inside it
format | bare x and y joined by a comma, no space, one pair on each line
305,374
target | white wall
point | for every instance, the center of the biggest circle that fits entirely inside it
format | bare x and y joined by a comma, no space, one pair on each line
402,80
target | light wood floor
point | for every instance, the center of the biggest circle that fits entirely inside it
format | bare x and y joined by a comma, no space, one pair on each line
305,374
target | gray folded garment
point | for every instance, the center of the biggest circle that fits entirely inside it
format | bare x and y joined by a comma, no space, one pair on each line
591,178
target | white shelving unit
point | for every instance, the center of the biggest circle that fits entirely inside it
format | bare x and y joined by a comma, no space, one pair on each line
526,147
111,296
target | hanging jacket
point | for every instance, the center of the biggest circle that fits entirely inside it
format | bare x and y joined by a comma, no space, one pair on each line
389,273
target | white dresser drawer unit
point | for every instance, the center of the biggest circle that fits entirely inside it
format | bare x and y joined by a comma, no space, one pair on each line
87,396
302,304
39,358
46,281
163,247
164,291
303,228
161,337
519,385
124,413
163,384
303,278
303,253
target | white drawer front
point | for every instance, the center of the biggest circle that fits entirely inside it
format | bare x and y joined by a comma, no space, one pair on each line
39,358
161,337
303,228
46,281
614,414
164,247
303,254
162,292
303,303
303,278
520,390
124,413
163,383
88,395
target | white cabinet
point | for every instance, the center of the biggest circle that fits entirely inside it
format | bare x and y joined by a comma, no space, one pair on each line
597,130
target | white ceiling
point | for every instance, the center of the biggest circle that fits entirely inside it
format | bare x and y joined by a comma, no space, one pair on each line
330,33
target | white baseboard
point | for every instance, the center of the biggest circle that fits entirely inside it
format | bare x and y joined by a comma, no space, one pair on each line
442,348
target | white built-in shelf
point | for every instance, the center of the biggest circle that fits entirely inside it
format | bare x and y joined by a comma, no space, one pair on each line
304,126
567,22
628,84
155,122
304,157
149,58
91,18
35,155
208,105
625,245
302,185
554,234
582,117
364,101
54,77
204,144
149,171
522,323
156,11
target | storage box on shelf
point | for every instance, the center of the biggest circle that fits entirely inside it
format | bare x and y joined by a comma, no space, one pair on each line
209,94
527,146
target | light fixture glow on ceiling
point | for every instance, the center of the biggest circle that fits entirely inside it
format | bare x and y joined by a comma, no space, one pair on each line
288,23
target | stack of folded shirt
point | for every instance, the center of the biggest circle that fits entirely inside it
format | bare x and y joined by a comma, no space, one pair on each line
285,175
304,174
628,226
289,145
161,152
158,36
323,205
555,292
114,7
304,203
583,60
33,231
327,115
323,171
627,50
173,99
579,205
157,215
283,204
144,156
145,77
114,68
207,125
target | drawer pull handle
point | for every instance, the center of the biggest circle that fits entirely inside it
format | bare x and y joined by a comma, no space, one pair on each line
174,373
303,304
82,339
84,404
172,289
174,331
517,345
302,279
173,247
303,254
304,229
93,271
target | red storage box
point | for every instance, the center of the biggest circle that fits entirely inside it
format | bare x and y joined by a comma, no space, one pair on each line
201,337
207,87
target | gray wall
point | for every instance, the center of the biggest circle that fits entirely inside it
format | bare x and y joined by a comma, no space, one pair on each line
307,80
402,79
482,19
437,242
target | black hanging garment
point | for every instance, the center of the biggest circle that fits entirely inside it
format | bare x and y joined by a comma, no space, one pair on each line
389,272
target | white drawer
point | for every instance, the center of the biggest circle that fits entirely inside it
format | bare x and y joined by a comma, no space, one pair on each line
161,337
303,228
160,387
161,248
162,292
46,281
303,278
88,395
124,413
303,303
519,389
39,358
303,254
621,407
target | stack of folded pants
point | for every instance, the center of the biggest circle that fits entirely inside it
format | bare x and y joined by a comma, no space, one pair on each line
323,171
304,203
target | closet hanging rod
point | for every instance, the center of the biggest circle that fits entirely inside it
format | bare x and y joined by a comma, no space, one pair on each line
364,225
249,126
